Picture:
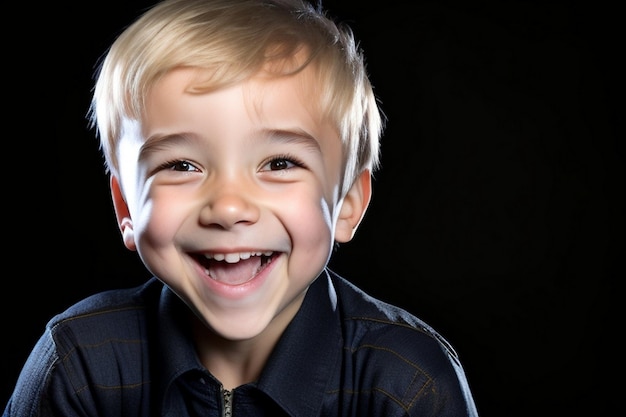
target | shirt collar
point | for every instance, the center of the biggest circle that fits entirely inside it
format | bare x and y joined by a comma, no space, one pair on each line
176,354
299,370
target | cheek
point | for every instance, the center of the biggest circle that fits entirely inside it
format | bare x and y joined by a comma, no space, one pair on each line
156,222
309,222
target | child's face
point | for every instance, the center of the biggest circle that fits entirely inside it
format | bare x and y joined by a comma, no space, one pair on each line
249,173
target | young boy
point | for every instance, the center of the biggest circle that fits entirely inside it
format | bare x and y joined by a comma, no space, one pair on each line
240,137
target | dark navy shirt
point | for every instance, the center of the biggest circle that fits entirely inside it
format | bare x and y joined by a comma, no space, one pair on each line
129,353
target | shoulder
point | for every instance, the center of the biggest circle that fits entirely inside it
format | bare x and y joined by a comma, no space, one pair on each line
111,318
376,319
94,327
107,310
112,300
389,350
100,342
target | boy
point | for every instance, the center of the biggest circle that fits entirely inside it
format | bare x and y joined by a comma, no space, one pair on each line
240,137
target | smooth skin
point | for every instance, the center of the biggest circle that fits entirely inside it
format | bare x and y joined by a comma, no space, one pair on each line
249,174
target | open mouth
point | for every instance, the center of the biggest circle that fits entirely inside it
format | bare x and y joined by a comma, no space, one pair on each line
234,268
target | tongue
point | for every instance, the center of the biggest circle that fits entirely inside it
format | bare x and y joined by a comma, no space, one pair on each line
236,273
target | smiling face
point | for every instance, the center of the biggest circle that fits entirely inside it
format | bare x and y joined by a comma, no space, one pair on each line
231,197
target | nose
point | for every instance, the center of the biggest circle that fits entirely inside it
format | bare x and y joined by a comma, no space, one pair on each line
227,205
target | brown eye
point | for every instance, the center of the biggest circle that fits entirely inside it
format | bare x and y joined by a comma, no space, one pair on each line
182,166
178,166
278,164
282,163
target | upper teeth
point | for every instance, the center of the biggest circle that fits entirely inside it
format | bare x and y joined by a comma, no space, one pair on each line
232,258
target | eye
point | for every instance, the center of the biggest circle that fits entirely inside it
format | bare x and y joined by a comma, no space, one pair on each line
179,165
282,162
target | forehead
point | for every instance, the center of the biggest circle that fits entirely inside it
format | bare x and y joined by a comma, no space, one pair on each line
266,95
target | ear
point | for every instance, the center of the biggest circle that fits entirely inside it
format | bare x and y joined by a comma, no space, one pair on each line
122,213
353,207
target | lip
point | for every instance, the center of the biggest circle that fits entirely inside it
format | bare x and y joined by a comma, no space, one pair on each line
236,291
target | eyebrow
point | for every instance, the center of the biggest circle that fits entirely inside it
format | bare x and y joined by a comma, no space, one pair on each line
161,141
293,136
158,142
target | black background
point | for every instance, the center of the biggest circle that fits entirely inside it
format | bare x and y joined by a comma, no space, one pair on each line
497,215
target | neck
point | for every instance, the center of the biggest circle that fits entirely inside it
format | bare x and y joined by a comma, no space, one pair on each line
238,362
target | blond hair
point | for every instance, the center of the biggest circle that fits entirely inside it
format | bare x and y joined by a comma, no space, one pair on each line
233,40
